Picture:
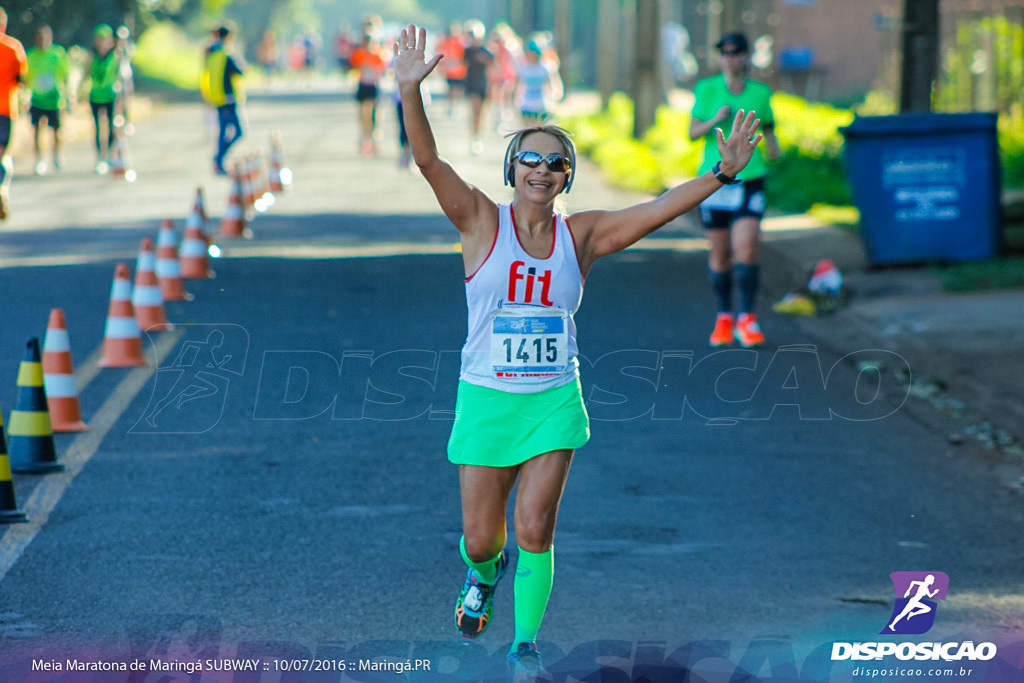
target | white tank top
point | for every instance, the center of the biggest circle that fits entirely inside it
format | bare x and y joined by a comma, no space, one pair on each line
522,336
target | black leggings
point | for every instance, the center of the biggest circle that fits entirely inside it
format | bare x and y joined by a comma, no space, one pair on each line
106,108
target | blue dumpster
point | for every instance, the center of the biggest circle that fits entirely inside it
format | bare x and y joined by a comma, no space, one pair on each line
926,185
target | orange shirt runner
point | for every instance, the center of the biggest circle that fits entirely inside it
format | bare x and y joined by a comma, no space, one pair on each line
370,62
454,49
13,66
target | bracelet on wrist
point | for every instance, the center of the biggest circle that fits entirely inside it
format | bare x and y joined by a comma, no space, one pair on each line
721,177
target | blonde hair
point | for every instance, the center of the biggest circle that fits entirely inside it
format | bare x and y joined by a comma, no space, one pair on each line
561,134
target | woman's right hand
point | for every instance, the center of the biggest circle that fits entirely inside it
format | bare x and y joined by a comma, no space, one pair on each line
411,66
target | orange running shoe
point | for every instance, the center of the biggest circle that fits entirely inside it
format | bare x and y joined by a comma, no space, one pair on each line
722,333
748,332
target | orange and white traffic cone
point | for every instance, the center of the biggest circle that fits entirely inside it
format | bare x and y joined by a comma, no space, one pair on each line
10,513
31,435
168,268
121,160
194,256
59,377
122,340
261,172
147,296
232,223
197,219
263,197
279,176
116,166
249,182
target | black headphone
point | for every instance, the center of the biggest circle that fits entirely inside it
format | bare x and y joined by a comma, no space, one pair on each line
510,169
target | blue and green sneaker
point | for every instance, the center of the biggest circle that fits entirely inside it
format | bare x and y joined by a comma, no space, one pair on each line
475,605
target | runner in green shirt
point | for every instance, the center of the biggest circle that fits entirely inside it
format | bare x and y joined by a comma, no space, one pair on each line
47,78
104,88
732,216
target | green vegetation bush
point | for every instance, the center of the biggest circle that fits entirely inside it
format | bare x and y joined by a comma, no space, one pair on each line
982,276
982,68
810,171
810,167
606,138
1011,148
167,56
164,54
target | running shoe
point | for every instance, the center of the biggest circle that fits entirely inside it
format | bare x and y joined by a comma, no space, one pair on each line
722,334
748,332
524,665
475,605
5,202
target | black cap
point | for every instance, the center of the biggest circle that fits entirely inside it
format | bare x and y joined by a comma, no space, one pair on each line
737,40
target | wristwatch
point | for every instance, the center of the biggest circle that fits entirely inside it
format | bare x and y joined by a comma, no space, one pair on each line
722,177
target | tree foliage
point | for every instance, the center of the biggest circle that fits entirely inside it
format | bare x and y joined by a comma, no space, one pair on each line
72,20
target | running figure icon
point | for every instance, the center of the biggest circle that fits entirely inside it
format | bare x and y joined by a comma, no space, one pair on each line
915,606
195,360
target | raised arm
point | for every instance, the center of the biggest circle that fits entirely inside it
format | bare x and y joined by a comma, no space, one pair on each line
466,206
606,232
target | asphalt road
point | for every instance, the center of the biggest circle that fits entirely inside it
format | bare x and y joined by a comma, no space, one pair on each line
290,500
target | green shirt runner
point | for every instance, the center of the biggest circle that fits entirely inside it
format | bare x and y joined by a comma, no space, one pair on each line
47,77
711,93
104,77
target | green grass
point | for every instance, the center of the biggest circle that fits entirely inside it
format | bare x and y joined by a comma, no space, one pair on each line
843,216
1005,273
1002,273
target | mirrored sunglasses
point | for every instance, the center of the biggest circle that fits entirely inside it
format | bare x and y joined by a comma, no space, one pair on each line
556,162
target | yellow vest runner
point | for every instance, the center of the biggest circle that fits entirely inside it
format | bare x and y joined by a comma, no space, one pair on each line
212,83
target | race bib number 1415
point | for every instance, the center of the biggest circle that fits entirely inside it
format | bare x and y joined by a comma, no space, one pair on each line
529,341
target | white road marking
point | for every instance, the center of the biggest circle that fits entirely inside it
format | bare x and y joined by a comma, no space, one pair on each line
51,487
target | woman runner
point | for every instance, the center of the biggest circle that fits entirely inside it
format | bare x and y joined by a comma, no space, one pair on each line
519,412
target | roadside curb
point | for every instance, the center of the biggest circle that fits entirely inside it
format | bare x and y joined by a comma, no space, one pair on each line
958,346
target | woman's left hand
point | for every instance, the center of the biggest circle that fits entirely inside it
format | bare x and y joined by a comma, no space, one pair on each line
737,149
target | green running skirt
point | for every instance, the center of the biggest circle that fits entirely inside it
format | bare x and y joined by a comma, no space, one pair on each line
500,429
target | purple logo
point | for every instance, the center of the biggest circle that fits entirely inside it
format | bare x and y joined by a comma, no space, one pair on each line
916,596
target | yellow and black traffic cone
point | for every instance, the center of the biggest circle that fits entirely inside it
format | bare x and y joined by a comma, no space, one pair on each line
9,512
32,448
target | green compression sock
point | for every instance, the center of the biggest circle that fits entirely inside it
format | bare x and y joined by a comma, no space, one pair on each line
535,574
487,571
